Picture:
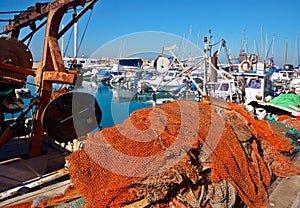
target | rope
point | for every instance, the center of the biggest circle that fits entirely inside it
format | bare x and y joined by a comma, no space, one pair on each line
5,20
29,41
68,42
12,12
84,32
269,49
81,40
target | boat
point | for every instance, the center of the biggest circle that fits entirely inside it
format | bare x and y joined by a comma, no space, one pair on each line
283,76
228,89
130,63
252,82
172,74
168,81
111,76
147,95
132,69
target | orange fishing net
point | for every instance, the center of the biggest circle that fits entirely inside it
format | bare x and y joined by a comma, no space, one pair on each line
23,205
182,154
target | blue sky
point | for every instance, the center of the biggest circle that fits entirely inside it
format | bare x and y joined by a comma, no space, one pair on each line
121,20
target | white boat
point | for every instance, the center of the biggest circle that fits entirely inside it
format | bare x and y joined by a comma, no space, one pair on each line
168,81
83,63
295,85
109,76
228,90
283,76
256,86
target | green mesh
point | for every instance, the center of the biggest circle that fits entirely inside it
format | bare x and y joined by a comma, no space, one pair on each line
73,204
284,100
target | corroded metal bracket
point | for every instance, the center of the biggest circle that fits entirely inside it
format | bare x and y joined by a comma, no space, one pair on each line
51,68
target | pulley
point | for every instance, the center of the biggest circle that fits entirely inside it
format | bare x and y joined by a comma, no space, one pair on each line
162,64
14,54
71,116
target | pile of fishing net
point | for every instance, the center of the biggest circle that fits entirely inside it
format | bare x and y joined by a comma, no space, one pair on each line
182,154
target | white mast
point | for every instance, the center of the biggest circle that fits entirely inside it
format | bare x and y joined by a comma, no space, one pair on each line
286,51
191,33
75,35
244,42
296,56
266,47
273,41
198,39
62,42
75,38
261,43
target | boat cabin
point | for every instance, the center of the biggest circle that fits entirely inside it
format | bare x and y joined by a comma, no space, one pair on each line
130,63
226,89
80,63
256,86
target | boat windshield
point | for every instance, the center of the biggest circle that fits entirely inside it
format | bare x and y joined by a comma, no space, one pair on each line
222,86
254,84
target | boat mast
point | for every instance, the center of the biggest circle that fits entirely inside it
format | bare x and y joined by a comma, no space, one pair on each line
62,42
296,56
286,52
261,44
75,34
244,42
206,50
266,48
198,39
273,41
190,39
254,46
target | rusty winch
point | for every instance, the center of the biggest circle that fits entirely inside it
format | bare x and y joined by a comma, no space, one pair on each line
14,55
68,116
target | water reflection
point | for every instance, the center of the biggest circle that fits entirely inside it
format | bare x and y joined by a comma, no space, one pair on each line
116,103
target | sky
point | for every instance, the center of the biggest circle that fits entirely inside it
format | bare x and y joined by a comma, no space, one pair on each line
129,27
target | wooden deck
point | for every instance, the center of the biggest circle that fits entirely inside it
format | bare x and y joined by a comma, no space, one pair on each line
46,192
16,167
286,191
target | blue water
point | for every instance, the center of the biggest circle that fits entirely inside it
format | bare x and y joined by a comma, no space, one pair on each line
116,103
115,111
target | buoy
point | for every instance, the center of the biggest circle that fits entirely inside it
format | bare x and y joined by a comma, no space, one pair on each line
253,58
246,65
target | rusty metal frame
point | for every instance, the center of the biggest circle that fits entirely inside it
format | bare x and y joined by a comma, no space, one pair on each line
52,69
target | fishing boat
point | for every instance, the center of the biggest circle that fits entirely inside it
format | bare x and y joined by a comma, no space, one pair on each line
84,63
169,81
228,89
111,76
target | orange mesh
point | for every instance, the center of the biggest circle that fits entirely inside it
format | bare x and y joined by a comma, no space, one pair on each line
261,129
292,123
283,117
23,205
250,180
247,172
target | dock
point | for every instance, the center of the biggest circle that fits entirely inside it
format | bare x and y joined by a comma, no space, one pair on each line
285,192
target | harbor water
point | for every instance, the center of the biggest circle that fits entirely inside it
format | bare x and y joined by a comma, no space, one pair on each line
116,103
